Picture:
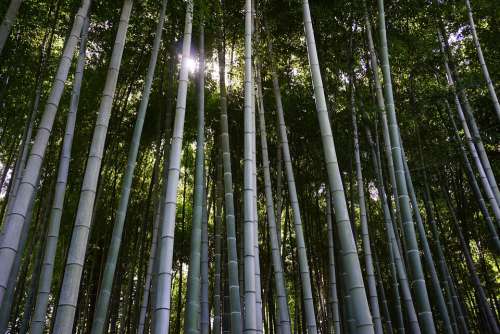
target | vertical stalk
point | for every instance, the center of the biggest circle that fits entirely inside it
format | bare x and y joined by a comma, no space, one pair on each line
161,317
417,274
281,295
250,322
232,276
101,309
191,316
355,284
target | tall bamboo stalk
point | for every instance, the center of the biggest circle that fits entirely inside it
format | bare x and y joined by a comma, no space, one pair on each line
76,254
332,279
47,270
370,272
232,253
355,282
250,318
294,203
15,220
98,323
191,316
161,317
415,264
8,21
279,281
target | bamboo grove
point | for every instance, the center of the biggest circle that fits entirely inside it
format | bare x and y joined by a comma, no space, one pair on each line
253,166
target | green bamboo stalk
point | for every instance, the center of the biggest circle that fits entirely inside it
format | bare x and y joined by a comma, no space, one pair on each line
370,272
13,225
191,315
101,310
76,254
428,258
47,270
279,281
355,282
415,264
250,317
161,317
294,203
8,21
232,253
332,282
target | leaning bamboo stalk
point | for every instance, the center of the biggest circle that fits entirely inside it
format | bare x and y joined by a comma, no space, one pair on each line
355,282
47,270
15,220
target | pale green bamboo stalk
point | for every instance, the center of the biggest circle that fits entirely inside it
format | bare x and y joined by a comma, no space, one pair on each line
250,317
15,220
205,307
428,258
191,315
355,282
217,300
47,270
101,310
294,203
389,227
385,127
469,116
279,281
415,265
76,254
483,177
161,317
232,253
370,272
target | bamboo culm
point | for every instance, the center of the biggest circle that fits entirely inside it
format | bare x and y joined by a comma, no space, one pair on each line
45,281
161,316
355,282
16,219
76,254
